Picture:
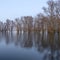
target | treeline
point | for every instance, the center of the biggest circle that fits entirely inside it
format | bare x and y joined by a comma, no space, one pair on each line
47,21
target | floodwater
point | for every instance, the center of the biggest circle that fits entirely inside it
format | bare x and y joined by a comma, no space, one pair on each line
29,46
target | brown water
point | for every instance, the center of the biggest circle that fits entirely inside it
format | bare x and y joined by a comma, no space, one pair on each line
29,46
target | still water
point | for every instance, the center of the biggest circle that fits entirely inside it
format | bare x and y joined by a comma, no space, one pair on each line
29,46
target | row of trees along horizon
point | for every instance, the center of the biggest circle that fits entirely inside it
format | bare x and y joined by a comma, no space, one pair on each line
47,21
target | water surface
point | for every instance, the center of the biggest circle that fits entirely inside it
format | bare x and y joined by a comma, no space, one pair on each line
29,46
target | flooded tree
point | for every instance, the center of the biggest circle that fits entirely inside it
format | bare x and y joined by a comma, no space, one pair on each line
18,24
1,26
51,13
12,25
58,15
7,25
27,23
38,23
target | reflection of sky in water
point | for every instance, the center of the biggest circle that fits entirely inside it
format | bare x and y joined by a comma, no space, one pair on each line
29,46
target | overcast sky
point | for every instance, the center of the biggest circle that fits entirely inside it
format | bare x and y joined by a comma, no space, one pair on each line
16,8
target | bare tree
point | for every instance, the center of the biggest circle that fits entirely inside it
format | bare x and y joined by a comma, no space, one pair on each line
18,24
51,13
7,25
1,26
38,25
27,23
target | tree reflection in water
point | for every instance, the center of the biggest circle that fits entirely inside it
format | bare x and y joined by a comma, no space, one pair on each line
51,44
27,39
